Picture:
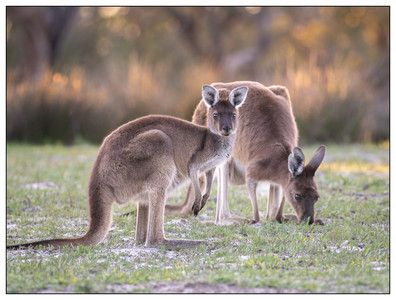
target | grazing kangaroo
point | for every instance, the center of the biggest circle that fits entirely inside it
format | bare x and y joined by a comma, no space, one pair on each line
145,158
266,150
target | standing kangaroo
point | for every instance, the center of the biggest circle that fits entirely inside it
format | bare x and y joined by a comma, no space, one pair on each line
265,150
144,159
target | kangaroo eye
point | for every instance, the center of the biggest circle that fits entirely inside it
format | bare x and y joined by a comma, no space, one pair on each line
297,197
215,116
233,116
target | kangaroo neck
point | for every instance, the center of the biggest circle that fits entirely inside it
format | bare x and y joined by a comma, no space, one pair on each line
284,173
223,142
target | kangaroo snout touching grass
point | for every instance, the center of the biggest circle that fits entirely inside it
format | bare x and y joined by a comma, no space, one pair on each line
145,158
266,150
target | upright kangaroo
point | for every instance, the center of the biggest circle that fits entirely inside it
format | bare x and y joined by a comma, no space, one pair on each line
143,159
266,150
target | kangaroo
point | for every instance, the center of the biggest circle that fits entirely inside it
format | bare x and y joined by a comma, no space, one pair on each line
266,150
145,158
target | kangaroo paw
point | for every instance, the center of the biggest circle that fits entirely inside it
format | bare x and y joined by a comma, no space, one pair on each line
318,222
232,221
203,201
199,204
196,208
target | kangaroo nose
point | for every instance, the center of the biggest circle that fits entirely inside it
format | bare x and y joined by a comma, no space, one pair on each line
226,129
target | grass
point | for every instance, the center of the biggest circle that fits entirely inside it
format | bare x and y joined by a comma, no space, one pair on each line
349,254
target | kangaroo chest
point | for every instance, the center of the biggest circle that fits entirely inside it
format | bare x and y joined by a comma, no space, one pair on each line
217,157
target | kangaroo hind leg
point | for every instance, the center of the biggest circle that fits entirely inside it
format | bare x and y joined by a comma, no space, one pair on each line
155,226
252,187
223,216
142,222
275,203
155,219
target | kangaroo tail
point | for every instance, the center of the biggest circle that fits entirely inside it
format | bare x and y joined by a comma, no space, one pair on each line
100,205
57,243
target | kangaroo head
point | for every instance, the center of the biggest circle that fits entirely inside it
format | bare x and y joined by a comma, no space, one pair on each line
222,114
302,191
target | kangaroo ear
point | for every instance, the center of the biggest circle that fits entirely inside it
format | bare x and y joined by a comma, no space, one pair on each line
238,96
296,162
317,158
210,95
280,91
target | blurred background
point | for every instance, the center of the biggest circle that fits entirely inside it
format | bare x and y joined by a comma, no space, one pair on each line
76,73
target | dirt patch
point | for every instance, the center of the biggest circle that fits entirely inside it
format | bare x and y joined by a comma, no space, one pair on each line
194,288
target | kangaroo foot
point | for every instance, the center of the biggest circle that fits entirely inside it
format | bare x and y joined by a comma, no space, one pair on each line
195,209
181,210
232,220
253,221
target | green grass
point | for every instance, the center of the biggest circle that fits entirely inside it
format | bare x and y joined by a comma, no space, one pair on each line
349,254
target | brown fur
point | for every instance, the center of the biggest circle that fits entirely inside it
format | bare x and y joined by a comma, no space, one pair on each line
266,136
143,159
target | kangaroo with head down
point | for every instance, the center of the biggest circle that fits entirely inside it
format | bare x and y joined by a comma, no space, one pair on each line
145,158
265,150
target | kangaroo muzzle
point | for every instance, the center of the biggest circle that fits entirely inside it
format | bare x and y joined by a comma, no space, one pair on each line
226,130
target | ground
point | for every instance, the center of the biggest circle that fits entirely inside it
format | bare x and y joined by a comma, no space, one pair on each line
46,198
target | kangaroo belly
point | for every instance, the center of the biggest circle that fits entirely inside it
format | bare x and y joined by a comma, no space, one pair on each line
218,157
236,172
212,163
177,181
